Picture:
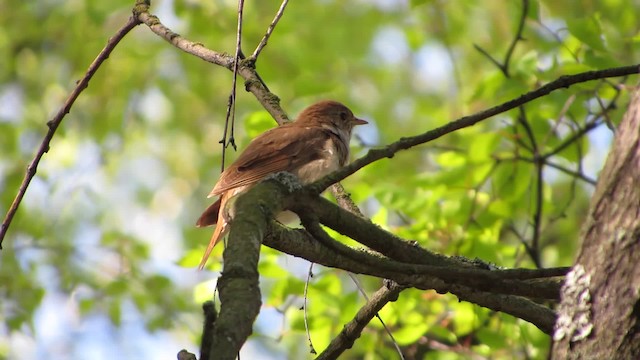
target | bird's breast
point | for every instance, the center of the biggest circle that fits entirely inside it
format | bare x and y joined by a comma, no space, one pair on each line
329,160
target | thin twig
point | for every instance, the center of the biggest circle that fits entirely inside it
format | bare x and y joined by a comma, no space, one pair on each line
264,40
577,174
518,37
537,214
229,117
476,191
228,139
352,330
576,136
236,61
534,250
605,114
560,41
246,70
54,123
312,350
504,66
561,115
377,315
489,57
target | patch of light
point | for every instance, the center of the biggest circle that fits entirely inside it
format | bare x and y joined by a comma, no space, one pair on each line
11,103
155,107
367,135
21,346
164,10
404,109
164,238
54,318
390,46
600,141
434,71
388,5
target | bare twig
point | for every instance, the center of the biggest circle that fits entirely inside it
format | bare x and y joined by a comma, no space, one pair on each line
559,40
533,249
228,138
387,284
264,40
559,167
576,136
246,68
312,350
579,174
476,191
54,123
489,57
537,214
504,66
518,37
561,115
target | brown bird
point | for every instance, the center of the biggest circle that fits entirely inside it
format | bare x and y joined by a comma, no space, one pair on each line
311,147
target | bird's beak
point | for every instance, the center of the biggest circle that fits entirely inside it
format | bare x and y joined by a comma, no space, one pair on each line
357,121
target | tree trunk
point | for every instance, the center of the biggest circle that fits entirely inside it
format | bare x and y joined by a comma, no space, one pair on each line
599,315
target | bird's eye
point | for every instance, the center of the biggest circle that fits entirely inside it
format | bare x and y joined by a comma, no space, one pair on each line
343,116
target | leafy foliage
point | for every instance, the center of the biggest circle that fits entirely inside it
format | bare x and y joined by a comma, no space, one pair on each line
108,221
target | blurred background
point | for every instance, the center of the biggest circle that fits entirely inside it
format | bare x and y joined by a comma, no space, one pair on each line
100,260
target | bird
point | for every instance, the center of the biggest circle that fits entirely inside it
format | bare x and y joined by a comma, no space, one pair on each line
312,146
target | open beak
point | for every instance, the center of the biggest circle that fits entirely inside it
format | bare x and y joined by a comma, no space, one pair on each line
357,121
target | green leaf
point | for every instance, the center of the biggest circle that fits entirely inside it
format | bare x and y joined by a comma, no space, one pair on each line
451,159
269,268
416,3
464,317
588,30
86,305
258,122
115,312
409,334
204,291
117,287
482,146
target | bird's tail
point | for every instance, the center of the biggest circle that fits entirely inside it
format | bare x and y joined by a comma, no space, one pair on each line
218,233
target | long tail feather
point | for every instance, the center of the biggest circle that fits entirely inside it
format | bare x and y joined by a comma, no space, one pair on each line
218,233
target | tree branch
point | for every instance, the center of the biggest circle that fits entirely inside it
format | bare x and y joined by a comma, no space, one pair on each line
267,35
246,68
250,225
598,314
54,123
390,150
238,285
352,330
301,244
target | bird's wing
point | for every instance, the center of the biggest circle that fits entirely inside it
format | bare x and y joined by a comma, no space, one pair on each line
284,148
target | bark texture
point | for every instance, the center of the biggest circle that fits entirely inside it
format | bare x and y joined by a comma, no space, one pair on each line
599,316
